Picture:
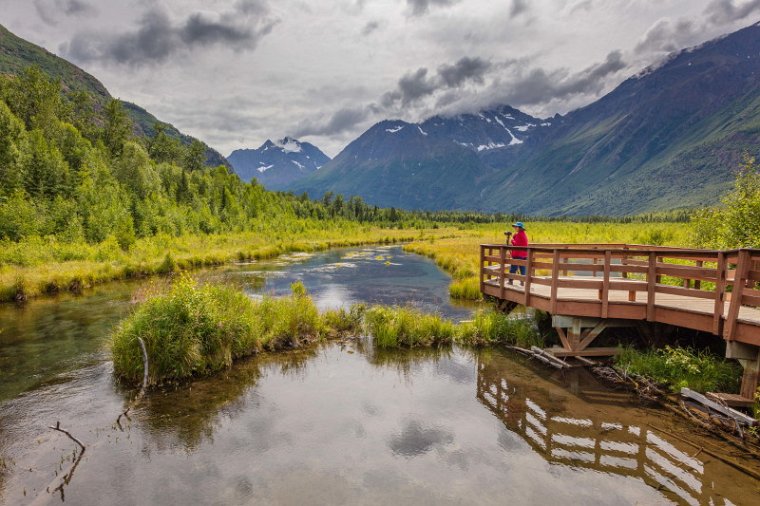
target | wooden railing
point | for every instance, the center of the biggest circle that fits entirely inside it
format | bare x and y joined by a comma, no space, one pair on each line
728,279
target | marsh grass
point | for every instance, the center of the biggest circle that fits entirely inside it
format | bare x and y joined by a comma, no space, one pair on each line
394,327
45,266
195,330
681,367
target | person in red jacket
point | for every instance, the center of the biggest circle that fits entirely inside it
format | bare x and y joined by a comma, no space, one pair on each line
520,238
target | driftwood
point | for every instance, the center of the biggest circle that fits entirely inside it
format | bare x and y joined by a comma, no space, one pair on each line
722,409
141,393
548,358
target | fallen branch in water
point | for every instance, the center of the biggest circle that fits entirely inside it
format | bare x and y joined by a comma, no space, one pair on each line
69,475
59,429
141,393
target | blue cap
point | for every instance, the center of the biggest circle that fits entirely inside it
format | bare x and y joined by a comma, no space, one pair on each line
518,224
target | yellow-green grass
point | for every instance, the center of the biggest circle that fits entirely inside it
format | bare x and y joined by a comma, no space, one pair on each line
42,266
460,255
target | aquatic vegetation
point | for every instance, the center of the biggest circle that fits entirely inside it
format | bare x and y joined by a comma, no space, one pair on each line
406,327
394,327
194,330
493,327
681,367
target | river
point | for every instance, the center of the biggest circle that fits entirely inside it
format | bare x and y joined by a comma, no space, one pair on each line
338,423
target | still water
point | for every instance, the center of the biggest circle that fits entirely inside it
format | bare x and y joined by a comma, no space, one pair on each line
339,423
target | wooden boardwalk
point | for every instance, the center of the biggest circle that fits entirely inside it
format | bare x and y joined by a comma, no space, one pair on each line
590,287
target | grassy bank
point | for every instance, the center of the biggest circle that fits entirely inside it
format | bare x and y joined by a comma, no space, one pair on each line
681,367
459,256
195,330
38,266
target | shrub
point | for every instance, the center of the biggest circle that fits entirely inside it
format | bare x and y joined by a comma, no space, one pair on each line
681,367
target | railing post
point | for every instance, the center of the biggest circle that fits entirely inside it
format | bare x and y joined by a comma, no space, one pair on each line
606,283
502,267
740,279
528,277
555,281
720,291
652,280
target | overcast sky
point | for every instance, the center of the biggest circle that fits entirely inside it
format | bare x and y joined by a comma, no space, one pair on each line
236,72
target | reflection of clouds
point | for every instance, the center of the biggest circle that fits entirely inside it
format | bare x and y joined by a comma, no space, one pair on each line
457,371
334,267
332,296
415,439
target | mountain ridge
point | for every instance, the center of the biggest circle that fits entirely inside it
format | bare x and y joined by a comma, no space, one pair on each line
667,137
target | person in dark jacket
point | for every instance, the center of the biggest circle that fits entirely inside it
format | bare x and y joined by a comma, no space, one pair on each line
520,238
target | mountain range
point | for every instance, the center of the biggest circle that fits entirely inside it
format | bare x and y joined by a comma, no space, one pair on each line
276,165
670,137
16,54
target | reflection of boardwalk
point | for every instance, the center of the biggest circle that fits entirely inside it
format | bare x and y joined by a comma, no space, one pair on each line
607,446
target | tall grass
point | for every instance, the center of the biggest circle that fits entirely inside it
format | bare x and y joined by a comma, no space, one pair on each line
394,327
196,330
681,367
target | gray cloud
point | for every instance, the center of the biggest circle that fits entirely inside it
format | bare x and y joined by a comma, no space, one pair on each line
370,27
518,7
51,10
419,7
721,12
417,85
538,86
341,121
667,36
579,5
463,70
156,38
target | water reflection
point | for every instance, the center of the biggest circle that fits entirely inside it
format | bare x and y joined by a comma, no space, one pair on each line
189,414
611,440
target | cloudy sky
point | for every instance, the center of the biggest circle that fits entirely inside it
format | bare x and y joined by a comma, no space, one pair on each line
236,72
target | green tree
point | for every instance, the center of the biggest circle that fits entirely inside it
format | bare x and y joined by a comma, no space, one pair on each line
12,146
118,128
163,148
735,223
195,158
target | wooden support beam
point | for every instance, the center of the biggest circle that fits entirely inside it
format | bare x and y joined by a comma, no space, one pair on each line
502,267
528,278
740,278
720,291
592,334
606,284
563,337
555,280
652,285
